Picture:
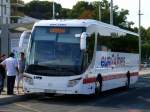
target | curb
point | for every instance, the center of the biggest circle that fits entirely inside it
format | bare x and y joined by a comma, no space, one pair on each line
10,99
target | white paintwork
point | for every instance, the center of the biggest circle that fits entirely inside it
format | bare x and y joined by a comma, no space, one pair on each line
83,41
91,25
59,84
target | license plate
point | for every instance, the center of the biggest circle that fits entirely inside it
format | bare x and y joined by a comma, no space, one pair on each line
50,91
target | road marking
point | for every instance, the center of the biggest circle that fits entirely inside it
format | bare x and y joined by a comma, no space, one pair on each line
134,110
26,107
5,110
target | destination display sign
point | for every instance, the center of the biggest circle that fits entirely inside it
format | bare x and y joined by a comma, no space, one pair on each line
57,30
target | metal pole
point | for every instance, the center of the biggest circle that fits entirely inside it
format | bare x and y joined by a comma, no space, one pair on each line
111,12
2,11
100,17
53,9
139,31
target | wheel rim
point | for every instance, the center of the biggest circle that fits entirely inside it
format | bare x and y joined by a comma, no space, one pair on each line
97,87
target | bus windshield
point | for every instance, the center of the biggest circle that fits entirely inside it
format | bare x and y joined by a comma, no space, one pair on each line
55,50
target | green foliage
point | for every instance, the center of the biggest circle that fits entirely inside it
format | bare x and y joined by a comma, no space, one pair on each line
17,1
145,51
91,10
79,8
145,36
41,9
148,34
82,10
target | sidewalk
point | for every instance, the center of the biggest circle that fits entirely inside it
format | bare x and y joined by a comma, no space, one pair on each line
144,71
7,99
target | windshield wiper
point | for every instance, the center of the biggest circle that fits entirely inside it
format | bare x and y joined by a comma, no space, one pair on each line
40,67
66,69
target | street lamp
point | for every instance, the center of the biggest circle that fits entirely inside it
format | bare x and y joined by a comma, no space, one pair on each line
1,6
100,17
53,9
111,13
139,31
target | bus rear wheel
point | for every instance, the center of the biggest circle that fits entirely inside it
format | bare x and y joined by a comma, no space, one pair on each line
1,83
49,94
128,81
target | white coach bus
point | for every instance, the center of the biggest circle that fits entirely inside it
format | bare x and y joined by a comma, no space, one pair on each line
80,57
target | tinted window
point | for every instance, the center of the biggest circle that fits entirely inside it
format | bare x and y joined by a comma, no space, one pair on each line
90,48
126,44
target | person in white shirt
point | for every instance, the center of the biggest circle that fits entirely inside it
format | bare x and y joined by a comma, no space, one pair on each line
12,70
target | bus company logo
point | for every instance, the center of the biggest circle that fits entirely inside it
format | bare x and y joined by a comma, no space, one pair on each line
38,77
110,61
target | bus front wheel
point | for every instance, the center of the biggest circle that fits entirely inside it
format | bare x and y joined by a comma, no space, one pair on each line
98,86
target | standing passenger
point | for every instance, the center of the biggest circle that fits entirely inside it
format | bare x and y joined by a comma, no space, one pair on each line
12,71
21,67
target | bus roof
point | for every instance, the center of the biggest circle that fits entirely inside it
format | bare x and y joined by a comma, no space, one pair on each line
79,23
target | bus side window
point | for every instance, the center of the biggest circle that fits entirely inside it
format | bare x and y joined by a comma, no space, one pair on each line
90,48
104,43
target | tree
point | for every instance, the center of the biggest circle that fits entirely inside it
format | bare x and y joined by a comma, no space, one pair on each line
91,11
148,34
17,1
41,9
143,34
86,14
79,8
64,13
145,51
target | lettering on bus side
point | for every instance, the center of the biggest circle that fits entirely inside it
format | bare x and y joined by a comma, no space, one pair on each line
37,77
108,61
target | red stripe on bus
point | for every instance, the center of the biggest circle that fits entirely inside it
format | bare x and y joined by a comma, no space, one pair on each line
134,74
89,80
108,77
118,76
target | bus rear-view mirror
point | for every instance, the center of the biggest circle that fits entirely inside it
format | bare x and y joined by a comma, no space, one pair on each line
23,39
83,41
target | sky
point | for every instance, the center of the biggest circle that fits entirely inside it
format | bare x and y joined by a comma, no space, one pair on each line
131,5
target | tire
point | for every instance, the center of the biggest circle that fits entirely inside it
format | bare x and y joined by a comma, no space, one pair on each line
1,84
50,94
98,86
1,81
128,81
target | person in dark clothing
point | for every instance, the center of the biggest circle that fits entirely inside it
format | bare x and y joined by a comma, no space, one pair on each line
2,78
12,70
2,74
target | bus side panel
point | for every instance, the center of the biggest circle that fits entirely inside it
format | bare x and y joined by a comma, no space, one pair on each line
114,66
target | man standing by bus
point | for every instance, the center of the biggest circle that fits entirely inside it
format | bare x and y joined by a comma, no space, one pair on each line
21,67
12,71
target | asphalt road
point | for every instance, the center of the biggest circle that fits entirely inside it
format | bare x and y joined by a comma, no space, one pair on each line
136,99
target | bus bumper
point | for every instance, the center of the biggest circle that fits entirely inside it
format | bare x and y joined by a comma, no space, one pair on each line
79,89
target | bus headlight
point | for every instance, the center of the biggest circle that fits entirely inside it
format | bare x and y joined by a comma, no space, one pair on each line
28,80
73,82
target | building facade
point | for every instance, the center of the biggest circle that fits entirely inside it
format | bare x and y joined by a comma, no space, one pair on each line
4,11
